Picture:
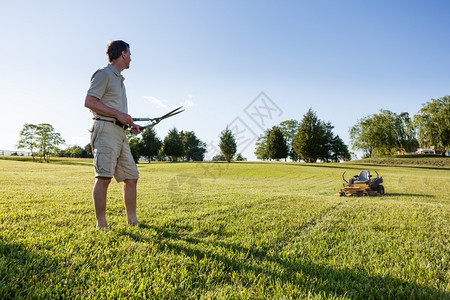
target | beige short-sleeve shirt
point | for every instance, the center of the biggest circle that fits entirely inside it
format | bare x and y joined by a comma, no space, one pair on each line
107,86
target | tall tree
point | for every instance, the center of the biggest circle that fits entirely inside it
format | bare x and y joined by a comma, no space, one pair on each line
227,144
150,143
88,150
47,140
433,123
28,138
289,129
276,144
173,145
361,137
135,146
310,137
194,148
327,142
261,146
339,150
405,133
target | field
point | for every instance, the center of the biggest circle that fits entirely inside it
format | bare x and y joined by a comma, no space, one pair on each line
268,230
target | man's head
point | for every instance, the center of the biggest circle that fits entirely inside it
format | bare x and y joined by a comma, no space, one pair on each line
118,49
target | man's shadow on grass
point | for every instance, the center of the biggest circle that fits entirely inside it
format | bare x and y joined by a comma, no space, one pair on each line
307,275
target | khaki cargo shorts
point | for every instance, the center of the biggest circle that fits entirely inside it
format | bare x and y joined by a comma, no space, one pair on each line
112,155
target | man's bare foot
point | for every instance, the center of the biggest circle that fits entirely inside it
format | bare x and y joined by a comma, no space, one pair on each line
102,226
133,222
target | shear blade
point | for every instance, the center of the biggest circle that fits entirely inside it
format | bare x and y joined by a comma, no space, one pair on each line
172,113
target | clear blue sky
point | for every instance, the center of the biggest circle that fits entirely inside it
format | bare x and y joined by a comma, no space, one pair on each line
344,59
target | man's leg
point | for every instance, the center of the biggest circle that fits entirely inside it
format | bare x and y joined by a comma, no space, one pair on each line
129,199
99,197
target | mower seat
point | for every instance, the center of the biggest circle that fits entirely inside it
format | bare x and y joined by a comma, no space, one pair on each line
363,177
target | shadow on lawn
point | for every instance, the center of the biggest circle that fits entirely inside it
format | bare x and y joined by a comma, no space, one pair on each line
307,275
424,167
350,165
86,162
19,269
301,164
408,195
53,160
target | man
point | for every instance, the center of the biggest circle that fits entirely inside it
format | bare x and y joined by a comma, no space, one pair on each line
107,100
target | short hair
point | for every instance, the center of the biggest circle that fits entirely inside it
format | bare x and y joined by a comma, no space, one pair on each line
115,48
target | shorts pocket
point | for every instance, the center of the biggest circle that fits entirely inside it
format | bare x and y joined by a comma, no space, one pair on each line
103,165
97,129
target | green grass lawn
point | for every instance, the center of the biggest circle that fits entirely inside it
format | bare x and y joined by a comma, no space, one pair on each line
216,230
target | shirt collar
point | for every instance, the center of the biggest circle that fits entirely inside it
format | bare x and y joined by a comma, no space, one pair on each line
114,70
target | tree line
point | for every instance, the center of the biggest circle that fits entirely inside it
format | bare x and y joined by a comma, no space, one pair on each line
182,145
176,145
309,140
383,133
43,141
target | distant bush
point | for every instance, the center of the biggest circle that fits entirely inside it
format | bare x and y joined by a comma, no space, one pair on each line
219,157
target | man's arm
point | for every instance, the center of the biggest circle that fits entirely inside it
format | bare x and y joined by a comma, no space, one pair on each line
95,105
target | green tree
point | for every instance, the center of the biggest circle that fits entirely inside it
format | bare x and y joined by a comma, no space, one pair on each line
361,137
88,150
384,133
433,123
134,143
326,142
289,129
195,149
310,137
47,140
161,155
276,144
150,143
135,146
261,146
339,150
227,144
173,145
405,133
240,157
75,151
28,138
219,157
66,152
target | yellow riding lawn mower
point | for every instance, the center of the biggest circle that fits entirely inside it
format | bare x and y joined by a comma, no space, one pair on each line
363,185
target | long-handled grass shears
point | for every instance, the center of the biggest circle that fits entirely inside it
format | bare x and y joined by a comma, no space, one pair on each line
155,121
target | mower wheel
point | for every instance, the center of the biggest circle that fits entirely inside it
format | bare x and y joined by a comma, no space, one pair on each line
380,189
